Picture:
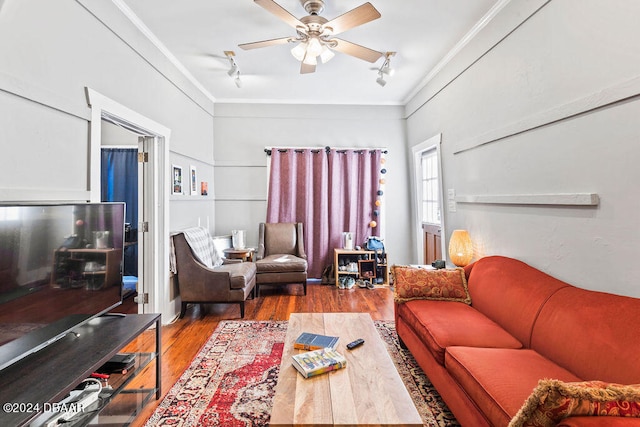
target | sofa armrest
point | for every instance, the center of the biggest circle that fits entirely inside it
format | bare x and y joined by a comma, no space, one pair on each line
195,280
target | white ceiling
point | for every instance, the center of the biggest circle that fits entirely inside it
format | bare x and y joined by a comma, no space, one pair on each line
197,32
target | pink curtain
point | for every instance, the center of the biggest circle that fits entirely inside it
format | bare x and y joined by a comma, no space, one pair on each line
330,191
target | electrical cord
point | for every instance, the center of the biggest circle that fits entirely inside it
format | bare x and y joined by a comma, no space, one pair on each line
77,405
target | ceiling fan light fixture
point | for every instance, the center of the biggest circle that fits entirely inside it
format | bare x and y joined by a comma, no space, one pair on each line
314,33
326,54
310,59
314,47
299,51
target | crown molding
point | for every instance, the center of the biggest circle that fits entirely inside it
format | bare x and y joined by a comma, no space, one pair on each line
146,31
483,22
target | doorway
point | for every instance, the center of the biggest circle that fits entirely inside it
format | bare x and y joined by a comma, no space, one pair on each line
429,218
120,182
153,209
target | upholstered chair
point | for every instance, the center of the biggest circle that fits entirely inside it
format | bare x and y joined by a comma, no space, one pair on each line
231,282
281,259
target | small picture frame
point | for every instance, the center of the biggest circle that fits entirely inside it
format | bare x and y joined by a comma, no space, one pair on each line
204,188
193,180
176,179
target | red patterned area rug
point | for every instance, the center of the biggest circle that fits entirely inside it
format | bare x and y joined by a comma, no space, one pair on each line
231,382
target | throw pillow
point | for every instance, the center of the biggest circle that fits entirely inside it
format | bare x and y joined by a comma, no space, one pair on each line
554,400
217,258
412,283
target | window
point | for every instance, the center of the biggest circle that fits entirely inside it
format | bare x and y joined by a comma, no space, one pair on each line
430,187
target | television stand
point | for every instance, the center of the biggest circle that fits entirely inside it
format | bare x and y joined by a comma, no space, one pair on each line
35,383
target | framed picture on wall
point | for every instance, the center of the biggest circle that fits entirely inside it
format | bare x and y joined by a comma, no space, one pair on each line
193,179
176,176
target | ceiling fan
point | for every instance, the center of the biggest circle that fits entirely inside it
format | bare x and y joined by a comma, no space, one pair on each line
315,34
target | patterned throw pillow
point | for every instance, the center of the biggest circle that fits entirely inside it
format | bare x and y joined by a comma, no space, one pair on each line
441,285
554,400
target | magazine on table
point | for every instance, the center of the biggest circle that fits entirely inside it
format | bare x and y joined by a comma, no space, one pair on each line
318,362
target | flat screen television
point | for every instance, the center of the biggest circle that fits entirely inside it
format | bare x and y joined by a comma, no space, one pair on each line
60,266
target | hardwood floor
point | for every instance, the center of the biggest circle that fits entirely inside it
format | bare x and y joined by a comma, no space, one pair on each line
182,339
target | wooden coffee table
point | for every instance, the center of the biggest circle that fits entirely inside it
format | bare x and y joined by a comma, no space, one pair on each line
368,391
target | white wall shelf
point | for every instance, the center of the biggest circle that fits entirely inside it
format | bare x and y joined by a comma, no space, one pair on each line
562,199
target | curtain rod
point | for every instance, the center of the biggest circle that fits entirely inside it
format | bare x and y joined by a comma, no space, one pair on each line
327,148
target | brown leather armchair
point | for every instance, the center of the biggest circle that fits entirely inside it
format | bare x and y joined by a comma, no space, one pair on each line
198,284
281,259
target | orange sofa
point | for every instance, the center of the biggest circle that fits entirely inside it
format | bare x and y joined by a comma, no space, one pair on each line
522,325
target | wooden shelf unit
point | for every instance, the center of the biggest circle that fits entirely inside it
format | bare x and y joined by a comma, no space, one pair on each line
345,256
74,263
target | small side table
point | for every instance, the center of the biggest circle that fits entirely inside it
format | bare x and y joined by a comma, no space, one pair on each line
245,254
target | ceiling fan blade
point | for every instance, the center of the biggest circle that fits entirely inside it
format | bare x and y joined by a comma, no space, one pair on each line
280,12
358,16
264,43
356,50
306,68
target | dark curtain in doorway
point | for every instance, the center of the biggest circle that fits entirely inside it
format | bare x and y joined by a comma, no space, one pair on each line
120,184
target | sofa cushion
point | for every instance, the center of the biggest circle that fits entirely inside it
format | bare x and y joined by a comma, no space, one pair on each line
511,293
281,264
241,273
442,324
420,283
500,380
553,400
591,334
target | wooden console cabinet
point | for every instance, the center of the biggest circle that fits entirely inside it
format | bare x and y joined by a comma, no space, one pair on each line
47,376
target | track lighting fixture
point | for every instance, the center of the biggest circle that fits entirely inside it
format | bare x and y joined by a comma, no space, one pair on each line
234,71
385,69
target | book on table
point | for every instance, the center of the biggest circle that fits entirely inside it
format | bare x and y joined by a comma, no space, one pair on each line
316,362
311,341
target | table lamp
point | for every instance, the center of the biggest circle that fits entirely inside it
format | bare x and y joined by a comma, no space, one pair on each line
460,248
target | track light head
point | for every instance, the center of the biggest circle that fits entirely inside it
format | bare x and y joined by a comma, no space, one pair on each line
385,69
233,70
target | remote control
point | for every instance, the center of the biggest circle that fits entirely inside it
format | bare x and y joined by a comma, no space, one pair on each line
355,344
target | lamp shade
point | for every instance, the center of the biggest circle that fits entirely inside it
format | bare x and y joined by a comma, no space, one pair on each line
460,248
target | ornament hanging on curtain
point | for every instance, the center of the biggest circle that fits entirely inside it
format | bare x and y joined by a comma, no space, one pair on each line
373,224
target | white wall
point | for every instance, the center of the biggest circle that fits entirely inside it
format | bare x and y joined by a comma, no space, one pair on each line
50,52
545,102
242,132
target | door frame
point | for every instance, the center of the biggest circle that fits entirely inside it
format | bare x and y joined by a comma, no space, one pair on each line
155,243
417,150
